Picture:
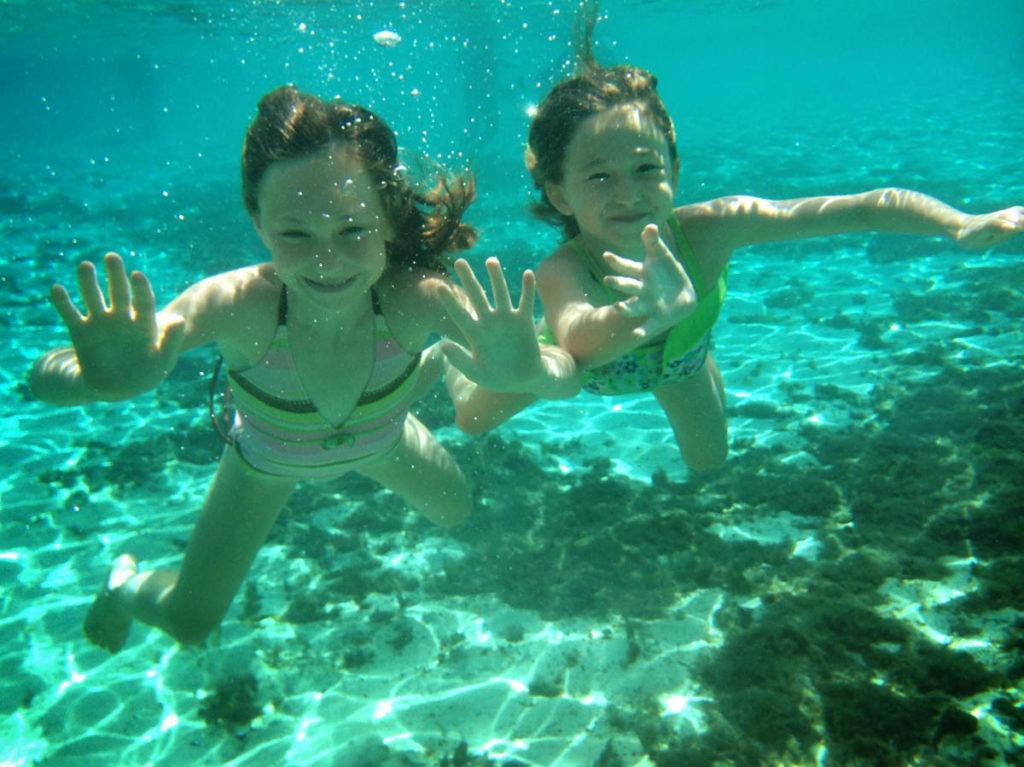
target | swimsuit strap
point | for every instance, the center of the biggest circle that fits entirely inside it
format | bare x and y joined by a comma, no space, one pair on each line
595,270
689,333
222,420
693,270
282,306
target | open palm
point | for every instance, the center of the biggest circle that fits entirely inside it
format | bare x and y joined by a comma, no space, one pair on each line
659,289
120,347
501,351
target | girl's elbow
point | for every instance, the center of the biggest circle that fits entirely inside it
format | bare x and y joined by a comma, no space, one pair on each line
48,385
583,355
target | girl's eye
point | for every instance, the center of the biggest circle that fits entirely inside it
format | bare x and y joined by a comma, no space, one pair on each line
295,234
597,177
648,167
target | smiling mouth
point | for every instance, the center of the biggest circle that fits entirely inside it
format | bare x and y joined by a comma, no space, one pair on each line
329,287
628,218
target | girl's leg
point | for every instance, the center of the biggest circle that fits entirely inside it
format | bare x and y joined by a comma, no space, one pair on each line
696,411
420,470
240,508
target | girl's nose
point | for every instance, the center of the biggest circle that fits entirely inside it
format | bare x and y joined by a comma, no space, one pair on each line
624,190
327,258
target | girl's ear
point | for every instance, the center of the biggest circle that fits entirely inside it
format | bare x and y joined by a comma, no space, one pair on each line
556,196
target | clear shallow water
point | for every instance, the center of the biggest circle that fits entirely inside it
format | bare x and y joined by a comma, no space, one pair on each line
846,587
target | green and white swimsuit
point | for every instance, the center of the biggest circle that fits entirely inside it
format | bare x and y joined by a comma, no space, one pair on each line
675,357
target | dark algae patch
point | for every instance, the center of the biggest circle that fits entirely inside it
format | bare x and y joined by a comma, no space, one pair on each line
935,476
928,483
233,704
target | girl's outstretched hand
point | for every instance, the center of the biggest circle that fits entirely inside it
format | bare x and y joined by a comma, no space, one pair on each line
121,349
989,229
503,354
659,288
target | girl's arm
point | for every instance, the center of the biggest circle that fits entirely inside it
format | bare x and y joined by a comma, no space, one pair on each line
659,295
500,367
501,350
497,346
733,222
122,346
478,410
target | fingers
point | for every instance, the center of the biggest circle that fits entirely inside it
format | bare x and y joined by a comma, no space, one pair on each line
499,287
460,316
450,300
89,288
647,329
529,293
651,237
460,358
470,284
631,308
68,312
627,285
171,341
1012,219
143,300
624,266
130,297
117,284
480,312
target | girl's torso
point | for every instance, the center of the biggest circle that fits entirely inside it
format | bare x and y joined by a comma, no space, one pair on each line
706,269
677,353
333,361
317,402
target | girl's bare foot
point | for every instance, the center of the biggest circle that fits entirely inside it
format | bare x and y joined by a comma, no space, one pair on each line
108,620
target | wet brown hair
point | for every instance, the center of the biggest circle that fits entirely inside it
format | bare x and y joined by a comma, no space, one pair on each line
427,223
591,90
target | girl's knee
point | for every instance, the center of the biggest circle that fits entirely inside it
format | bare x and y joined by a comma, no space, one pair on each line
193,629
189,621
450,508
193,636
706,459
705,452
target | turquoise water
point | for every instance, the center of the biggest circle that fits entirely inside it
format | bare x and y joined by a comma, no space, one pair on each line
846,590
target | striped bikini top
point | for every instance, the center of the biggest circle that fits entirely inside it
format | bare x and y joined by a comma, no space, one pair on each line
271,398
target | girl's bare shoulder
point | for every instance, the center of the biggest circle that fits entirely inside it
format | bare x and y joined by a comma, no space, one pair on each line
563,263
706,229
250,284
409,303
237,310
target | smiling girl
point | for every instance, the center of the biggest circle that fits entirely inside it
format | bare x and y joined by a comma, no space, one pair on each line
635,290
324,346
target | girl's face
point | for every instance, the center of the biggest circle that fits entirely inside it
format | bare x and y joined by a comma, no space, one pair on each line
323,220
618,177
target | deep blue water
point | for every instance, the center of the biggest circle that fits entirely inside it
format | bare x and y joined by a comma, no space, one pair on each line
847,588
